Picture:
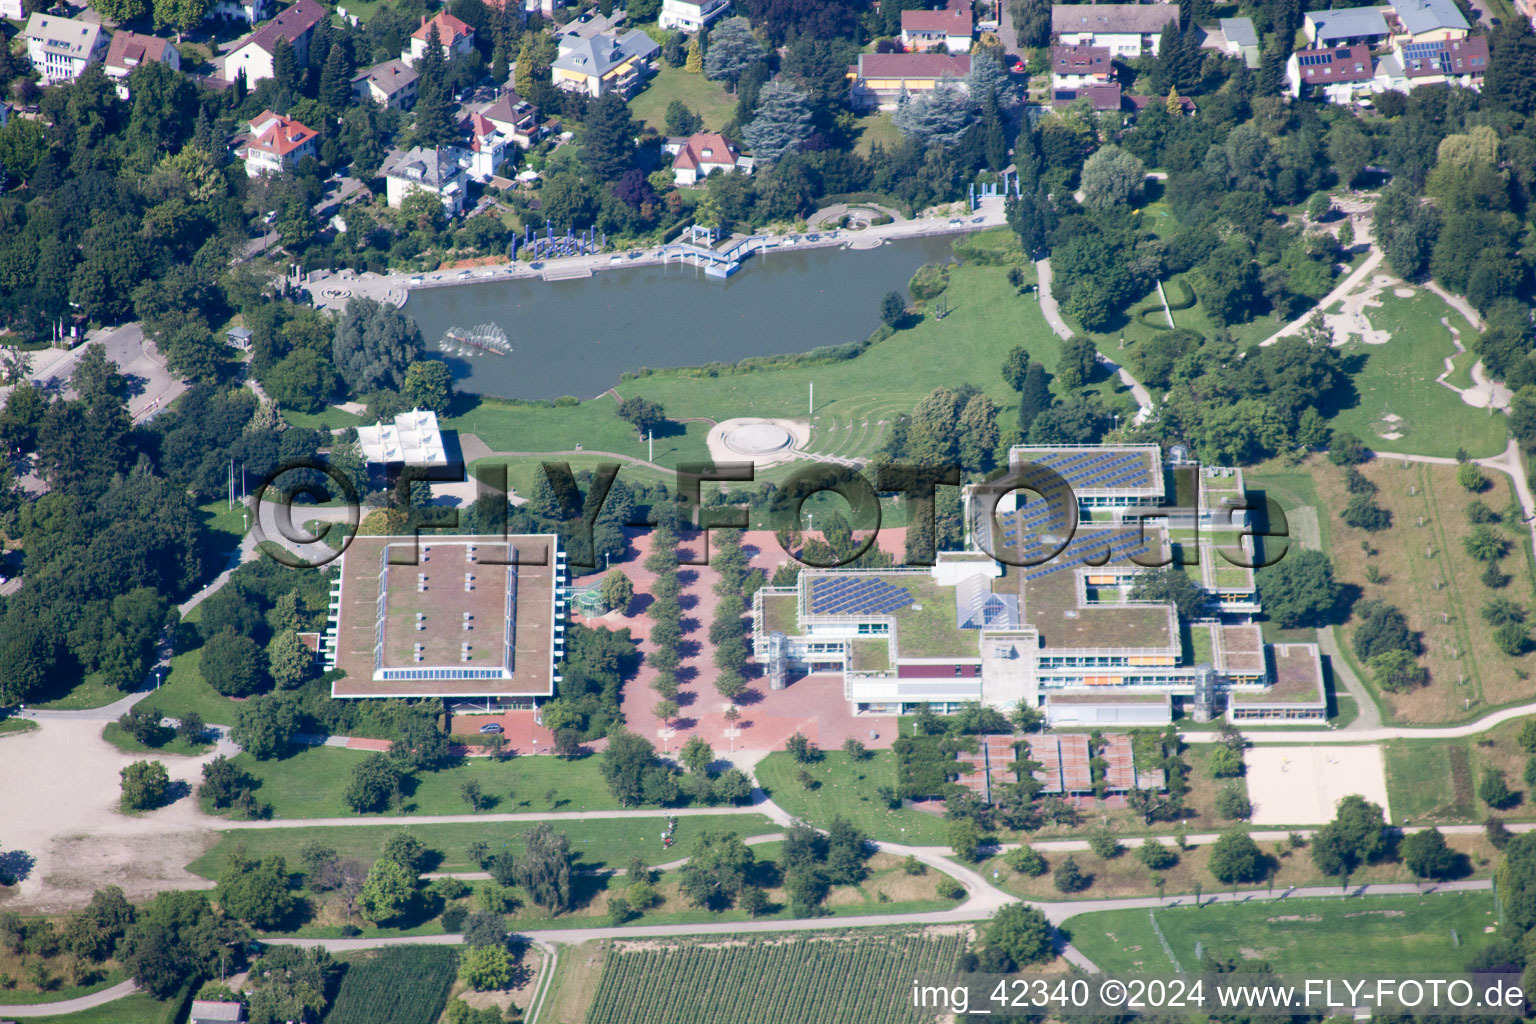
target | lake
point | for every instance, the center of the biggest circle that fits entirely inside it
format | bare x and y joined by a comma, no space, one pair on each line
576,337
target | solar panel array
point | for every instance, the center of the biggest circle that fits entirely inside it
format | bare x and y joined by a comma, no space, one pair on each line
1311,60
1085,469
856,595
1421,50
1091,549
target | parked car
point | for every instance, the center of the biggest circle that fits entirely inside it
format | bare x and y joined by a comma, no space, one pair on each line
491,727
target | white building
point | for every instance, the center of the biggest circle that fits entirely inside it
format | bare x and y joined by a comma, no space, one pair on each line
455,36
488,147
277,144
413,439
254,56
1127,29
248,11
515,118
60,48
393,84
12,9
690,15
949,29
438,171
698,156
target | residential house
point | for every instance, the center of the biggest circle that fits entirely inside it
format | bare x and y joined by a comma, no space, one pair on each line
1346,27
880,80
1460,62
130,49
392,84
456,37
12,9
690,15
206,1011
425,170
604,63
1102,97
277,144
249,11
60,48
239,338
1127,29
698,156
254,56
1240,39
949,29
1073,67
488,147
1426,21
1340,74
515,118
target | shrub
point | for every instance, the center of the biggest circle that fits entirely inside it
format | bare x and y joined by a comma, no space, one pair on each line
1026,860
1156,856
1104,844
949,889
1232,804
1069,877
453,918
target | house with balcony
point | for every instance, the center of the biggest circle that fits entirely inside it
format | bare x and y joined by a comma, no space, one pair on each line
1128,30
604,63
515,118
277,144
879,81
949,29
254,56
488,148
1073,67
61,48
690,15
1338,74
393,84
1456,62
1349,26
1042,606
438,171
251,12
130,50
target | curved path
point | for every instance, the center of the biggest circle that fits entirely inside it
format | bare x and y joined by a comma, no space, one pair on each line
1052,314
95,999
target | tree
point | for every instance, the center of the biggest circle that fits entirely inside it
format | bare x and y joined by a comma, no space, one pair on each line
964,839
1511,81
1026,860
1397,670
694,64
937,117
302,380
256,892
1016,367
290,984
233,665
428,384
608,137
121,10
182,15
1034,397
336,81
625,764
407,851
732,49
1155,855
893,309
265,726
719,869
144,785
1493,790
642,414
373,345
1299,589
1170,585
1484,545
1068,877
374,784
1232,804
388,891
434,126
617,591
289,662
1527,736
1426,854
178,936
783,121
1362,512
1111,177
681,121
1019,934
486,968
1236,858
544,870
802,749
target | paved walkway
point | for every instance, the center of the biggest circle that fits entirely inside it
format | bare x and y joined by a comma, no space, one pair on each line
95,999
1369,713
1052,314
1343,288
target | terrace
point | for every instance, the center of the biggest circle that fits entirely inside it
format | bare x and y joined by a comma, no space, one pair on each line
1049,600
1298,679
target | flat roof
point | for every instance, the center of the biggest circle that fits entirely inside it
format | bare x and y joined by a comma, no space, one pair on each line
1297,675
459,623
1099,469
1046,751
1049,599
1241,649
1117,696
1076,772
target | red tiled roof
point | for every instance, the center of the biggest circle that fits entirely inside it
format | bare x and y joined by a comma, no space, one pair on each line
1081,60
1336,64
290,25
282,135
1102,95
705,148
1455,57
914,65
130,49
951,22
449,28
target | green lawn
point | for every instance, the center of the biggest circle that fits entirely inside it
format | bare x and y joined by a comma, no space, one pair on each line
848,789
877,128
14,726
90,692
328,418
184,690
605,843
1398,379
706,98
115,735
1363,935
1430,781
135,1009
310,783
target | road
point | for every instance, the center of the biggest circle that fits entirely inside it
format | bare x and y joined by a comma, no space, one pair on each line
95,999
151,385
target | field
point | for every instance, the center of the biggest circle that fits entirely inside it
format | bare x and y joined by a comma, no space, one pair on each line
14,966
309,783
403,985
1425,571
1362,935
1126,875
1398,380
704,97
858,978
596,844
135,1009
1435,781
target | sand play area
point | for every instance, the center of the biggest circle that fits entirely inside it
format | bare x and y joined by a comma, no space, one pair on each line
1303,785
